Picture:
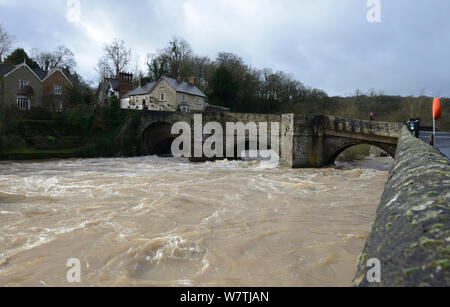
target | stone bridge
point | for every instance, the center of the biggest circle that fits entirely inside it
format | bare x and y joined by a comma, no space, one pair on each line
315,141
305,141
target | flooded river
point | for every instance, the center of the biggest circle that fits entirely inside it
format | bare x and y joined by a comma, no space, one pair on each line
167,222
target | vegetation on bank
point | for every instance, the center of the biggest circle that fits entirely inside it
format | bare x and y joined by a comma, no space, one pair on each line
78,132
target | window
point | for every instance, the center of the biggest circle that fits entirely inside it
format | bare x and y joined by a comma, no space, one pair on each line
59,107
57,89
23,103
23,83
161,97
184,97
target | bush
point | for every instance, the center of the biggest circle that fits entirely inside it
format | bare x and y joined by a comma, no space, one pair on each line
113,113
51,140
11,143
78,123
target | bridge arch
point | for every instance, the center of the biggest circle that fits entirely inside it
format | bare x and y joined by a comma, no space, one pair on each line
334,146
157,139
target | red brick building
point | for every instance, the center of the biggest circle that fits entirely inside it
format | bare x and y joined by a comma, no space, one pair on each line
54,85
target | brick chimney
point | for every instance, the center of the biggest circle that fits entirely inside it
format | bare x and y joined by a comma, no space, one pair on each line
192,80
179,79
125,83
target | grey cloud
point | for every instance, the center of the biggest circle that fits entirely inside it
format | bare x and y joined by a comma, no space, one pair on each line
325,43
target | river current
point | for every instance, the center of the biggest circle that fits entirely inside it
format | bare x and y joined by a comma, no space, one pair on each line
153,221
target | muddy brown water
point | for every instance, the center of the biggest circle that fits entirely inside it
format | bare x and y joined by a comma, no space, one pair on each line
166,222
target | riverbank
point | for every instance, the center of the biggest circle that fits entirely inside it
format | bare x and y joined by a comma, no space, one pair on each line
75,135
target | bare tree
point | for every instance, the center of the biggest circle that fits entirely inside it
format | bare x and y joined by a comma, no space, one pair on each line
61,57
179,53
103,70
116,58
6,42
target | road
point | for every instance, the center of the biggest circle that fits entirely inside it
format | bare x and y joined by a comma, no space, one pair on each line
442,141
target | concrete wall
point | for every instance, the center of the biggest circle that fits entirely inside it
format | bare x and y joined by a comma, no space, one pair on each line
411,234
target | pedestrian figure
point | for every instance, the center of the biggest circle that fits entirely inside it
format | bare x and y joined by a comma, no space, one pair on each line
372,116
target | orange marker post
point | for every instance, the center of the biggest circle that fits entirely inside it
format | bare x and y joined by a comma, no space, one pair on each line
437,112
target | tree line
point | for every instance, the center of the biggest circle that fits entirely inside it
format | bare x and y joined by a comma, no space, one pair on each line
226,80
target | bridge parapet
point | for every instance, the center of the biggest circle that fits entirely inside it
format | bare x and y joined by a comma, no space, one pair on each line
355,126
411,234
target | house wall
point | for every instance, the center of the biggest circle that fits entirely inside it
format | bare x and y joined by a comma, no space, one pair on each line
170,95
12,87
49,99
169,103
172,99
124,103
196,103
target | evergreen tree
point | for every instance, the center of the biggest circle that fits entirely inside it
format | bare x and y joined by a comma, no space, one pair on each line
18,56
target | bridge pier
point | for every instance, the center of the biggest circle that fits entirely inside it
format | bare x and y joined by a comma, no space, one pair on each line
302,142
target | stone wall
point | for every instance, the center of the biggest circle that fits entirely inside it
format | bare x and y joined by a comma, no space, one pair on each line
12,89
411,233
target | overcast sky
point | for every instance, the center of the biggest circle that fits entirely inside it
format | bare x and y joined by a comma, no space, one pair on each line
328,44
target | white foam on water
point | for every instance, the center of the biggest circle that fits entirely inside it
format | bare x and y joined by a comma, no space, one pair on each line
165,221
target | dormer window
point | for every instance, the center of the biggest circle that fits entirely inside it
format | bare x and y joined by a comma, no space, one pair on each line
23,83
161,97
57,89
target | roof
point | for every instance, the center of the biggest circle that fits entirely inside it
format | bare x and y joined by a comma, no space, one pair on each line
40,73
114,84
184,87
20,66
142,90
52,71
5,68
214,108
